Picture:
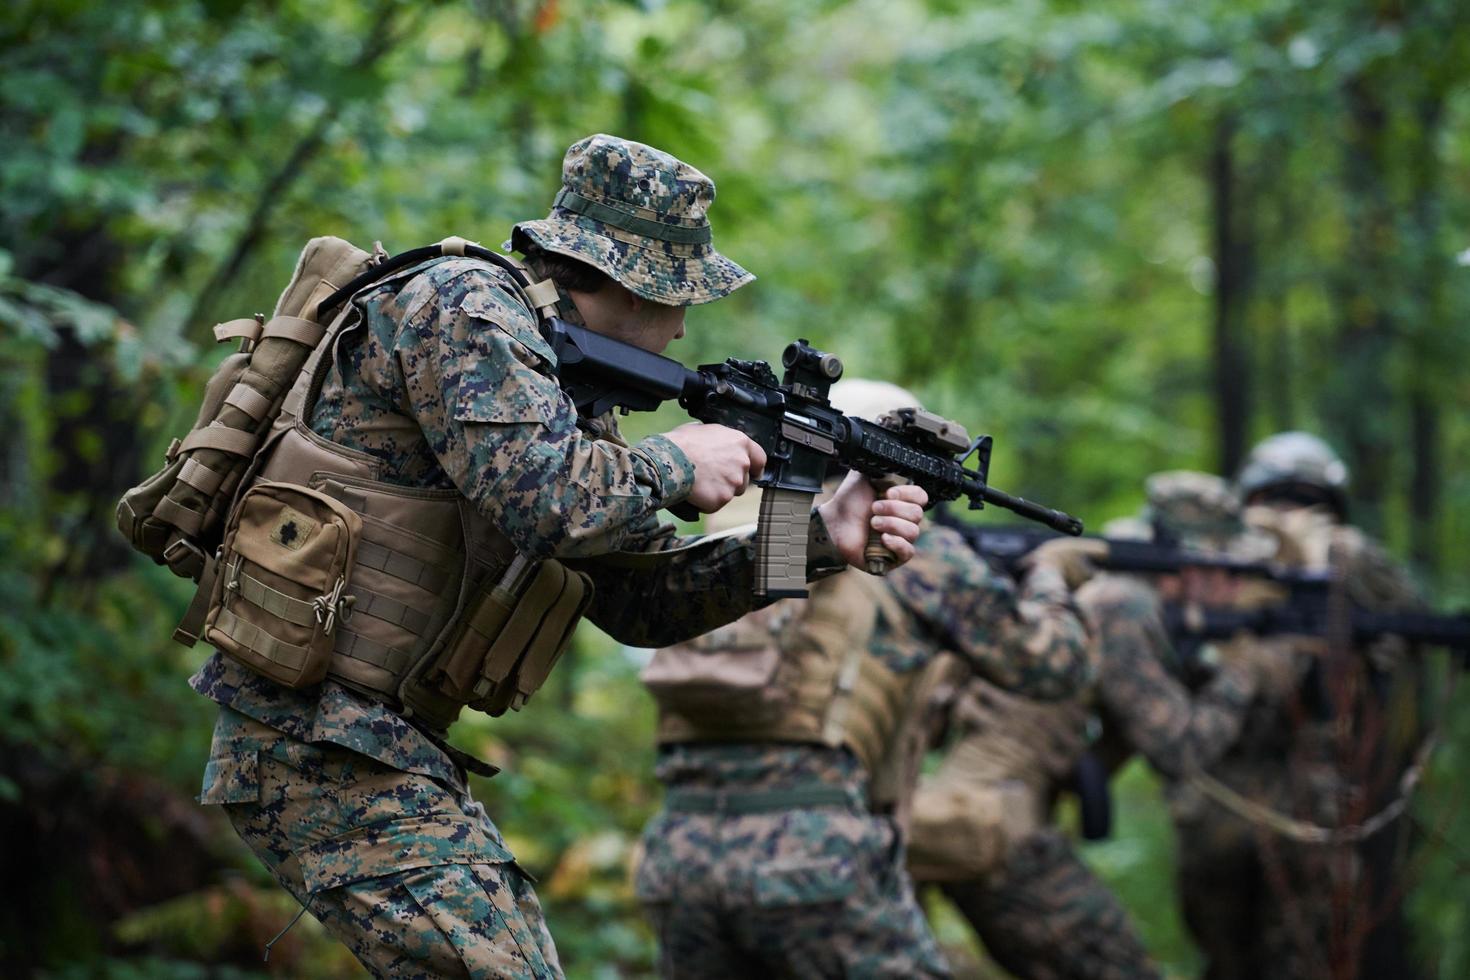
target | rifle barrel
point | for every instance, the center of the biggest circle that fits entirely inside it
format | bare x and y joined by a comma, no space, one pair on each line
1055,519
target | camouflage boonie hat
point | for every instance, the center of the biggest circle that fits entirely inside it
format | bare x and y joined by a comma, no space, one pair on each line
1200,510
639,215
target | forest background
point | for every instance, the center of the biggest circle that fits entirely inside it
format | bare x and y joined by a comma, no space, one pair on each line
1121,235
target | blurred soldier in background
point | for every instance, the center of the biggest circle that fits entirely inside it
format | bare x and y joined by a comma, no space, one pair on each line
982,823
1289,850
789,742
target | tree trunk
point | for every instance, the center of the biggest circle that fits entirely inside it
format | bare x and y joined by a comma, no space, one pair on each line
1233,275
1424,415
1360,402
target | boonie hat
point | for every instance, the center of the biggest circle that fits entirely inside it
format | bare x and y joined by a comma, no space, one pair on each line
639,215
1200,511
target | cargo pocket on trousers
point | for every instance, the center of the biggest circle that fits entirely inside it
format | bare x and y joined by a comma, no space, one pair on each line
232,779
808,881
453,872
475,908
400,845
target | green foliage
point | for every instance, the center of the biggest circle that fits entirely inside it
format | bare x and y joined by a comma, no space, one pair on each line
1006,208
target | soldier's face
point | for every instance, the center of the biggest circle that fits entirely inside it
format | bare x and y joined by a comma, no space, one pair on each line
656,326
623,315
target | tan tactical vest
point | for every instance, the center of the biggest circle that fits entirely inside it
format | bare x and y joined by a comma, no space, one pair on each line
432,607
800,671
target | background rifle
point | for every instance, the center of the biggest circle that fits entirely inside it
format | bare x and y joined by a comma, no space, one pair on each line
1305,609
803,436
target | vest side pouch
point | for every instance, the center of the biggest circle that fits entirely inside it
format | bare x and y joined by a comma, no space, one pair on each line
511,636
732,674
283,571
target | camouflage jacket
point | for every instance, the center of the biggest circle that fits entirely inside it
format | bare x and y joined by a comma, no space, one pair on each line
1156,715
449,384
1029,641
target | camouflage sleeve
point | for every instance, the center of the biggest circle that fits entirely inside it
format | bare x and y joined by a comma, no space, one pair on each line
1030,642
663,589
1155,712
479,382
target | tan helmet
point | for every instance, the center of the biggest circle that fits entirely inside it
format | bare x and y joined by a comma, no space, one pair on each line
869,399
1294,459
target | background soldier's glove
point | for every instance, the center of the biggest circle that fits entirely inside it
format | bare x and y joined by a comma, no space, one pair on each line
1273,670
1073,558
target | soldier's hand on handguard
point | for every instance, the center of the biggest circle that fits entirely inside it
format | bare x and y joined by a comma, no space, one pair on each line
855,507
1073,558
725,461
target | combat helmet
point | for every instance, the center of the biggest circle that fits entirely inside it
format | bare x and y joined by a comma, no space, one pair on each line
1295,466
870,399
639,215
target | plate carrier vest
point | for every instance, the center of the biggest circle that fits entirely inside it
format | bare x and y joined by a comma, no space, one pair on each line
800,671
429,606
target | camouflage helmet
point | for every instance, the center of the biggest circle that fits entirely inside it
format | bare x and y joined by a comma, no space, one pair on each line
640,216
1200,510
1294,458
870,399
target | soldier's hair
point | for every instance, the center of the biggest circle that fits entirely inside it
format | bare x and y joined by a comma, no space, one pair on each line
569,273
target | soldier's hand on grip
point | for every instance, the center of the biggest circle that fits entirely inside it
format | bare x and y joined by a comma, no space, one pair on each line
854,508
725,461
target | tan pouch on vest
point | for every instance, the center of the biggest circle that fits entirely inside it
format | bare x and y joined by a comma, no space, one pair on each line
175,516
281,586
962,831
511,636
734,672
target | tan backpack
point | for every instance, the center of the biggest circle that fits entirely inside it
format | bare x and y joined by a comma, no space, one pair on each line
176,516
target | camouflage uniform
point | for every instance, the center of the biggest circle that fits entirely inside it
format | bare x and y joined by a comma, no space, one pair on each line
360,813
742,876
1040,911
1264,905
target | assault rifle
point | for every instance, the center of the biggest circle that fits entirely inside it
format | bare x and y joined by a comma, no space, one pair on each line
1307,609
802,434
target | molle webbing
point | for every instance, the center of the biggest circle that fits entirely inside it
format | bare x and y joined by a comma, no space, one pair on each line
253,638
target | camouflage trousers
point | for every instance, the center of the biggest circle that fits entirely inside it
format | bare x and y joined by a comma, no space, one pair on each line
736,889
1048,917
406,870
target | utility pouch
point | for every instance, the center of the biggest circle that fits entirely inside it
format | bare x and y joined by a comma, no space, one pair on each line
512,634
175,516
733,673
158,539
281,586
